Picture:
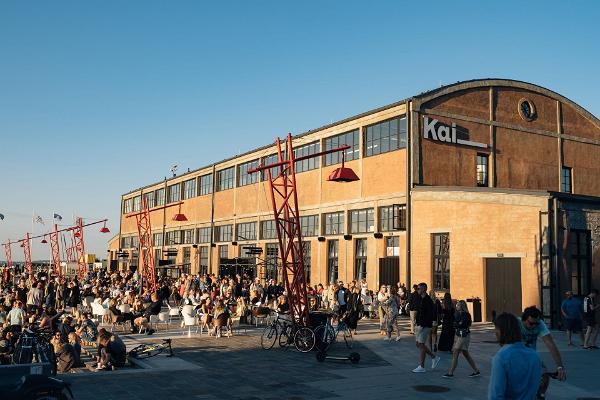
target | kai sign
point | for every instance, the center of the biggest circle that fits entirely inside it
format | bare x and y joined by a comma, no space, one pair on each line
447,134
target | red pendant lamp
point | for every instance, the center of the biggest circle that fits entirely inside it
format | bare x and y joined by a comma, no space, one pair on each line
44,241
342,174
104,229
179,216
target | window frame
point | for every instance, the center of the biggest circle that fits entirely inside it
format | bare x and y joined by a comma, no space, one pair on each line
333,257
369,217
160,197
189,192
438,278
310,163
241,228
244,178
225,179
384,146
360,258
340,215
173,196
205,185
564,182
333,142
272,228
485,170
224,233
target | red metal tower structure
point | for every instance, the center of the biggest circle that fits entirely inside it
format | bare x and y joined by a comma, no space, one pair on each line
26,244
55,251
8,253
146,250
79,247
284,199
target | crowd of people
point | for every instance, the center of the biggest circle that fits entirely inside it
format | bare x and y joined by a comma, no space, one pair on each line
60,308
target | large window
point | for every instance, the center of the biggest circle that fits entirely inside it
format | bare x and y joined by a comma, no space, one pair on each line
308,164
272,250
174,192
566,182
244,178
224,233
332,261
482,170
149,199
268,229
392,246
580,263
158,239
127,206
440,243
137,203
206,184
135,242
362,221
125,242
204,235
385,136
160,197
351,139
223,252
360,259
203,260
187,257
272,159
188,236
309,225
246,231
225,179
392,218
173,237
189,189
334,223
307,259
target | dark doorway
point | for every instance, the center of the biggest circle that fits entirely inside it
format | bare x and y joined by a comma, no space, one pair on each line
503,286
389,270
580,264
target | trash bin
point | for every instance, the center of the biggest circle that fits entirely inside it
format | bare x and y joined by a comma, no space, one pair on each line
474,306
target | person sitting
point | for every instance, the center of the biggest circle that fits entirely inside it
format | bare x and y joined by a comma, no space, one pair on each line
87,331
119,316
221,318
75,342
152,309
64,353
113,354
65,328
48,320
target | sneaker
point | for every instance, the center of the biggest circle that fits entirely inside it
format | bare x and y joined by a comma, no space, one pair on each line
386,338
448,376
475,374
419,369
398,339
435,361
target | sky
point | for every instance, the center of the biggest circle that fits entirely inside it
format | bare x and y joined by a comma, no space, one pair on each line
98,98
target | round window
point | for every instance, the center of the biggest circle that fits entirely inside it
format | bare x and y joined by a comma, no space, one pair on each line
527,109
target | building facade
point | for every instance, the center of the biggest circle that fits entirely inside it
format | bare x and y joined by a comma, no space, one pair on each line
487,189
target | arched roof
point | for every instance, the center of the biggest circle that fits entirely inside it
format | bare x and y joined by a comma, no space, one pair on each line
424,97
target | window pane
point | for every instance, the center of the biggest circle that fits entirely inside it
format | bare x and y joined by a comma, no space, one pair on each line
206,184
385,136
225,179
244,177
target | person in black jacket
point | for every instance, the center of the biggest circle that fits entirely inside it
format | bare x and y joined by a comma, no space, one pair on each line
413,304
424,322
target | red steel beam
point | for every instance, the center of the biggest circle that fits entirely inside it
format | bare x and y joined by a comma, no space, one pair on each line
26,243
146,250
80,248
55,251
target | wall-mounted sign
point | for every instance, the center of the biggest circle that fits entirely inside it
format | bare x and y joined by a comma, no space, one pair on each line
447,134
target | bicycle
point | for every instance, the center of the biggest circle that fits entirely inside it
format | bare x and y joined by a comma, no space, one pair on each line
288,333
150,350
326,335
34,347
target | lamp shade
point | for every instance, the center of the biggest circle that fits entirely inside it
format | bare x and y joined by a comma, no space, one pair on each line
342,174
44,241
180,217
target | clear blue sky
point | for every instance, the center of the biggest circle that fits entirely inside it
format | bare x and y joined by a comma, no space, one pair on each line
101,97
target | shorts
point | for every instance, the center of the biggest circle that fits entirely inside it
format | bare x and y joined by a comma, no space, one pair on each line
461,343
422,334
573,325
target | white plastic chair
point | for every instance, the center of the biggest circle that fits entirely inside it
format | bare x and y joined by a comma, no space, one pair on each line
173,312
189,322
124,308
163,318
153,320
99,312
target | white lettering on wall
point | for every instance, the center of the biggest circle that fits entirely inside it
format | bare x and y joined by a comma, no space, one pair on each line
443,133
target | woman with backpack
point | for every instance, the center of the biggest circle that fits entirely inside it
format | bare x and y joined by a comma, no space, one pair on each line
462,323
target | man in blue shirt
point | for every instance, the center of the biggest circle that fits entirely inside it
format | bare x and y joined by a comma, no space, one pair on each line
533,327
516,369
571,308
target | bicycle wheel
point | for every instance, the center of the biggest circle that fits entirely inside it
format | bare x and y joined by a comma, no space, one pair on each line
324,337
304,339
145,351
284,337
268,337
348,339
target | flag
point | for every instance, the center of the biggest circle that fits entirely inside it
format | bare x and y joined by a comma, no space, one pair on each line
57,217
2,216
39,220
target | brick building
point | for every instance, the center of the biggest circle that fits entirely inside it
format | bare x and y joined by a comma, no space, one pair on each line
486,188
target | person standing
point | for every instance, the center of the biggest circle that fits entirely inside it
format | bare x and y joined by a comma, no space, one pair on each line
437,317
381,298
591,309
516,369
392,310
413,305
424,322
533,327
355,309
571,311
462,323
446,341
341,296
